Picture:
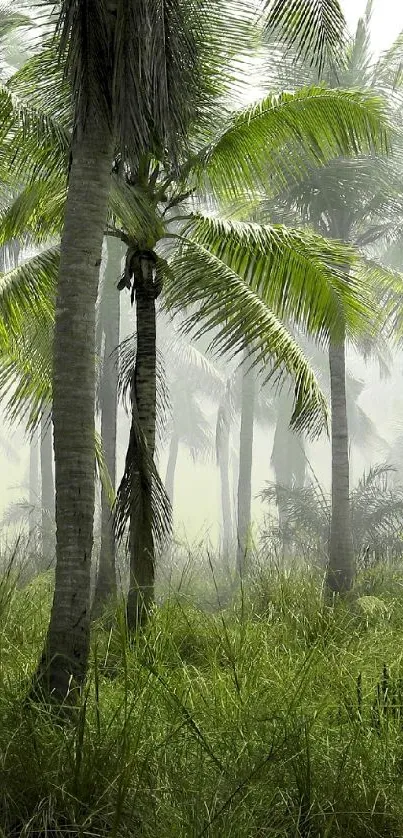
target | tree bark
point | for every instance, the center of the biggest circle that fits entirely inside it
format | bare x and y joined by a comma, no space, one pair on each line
33,496
47,490
245,465
226,506
142,554
105,588
171,466
64,662
340,573
288,462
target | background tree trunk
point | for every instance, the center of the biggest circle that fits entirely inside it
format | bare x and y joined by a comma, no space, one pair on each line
64,661
142,557
171,466
33,497
245,463
226,506
289,464
340,574
106,579
47,490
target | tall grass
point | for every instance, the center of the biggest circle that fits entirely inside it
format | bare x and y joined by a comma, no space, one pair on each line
272,715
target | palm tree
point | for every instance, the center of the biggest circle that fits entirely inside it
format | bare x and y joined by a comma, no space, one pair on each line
377,517
354,202
109,317
244,494
141,270
47,488
33,494
190,427
113,73
223,162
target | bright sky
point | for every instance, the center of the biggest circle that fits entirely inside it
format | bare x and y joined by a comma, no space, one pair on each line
387,19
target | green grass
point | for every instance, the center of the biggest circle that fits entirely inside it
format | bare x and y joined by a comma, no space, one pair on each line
274,716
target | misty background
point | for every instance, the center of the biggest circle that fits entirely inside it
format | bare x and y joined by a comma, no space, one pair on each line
197,514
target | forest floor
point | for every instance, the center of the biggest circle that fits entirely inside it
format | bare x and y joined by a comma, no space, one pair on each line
272,716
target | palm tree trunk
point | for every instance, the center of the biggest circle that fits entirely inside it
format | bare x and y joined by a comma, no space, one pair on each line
340,574
64,661
142,554
33,495
171,466
106,579
289,464
245,465
226,509
47,489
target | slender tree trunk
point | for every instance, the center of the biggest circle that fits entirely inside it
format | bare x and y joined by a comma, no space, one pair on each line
33,495
340,574
64,662
226,508
171,466
245,464
289,464
142,554
106,580
47,490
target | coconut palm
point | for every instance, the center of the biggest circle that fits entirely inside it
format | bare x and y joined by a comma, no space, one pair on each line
47,488
358,202
109,327
114,75
377,517
99,111
204,233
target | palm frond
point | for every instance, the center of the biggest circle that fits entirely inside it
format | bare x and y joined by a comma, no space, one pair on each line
133,208
36,213
185,360
29,288
103,472
222,301
126,355
34,143
12,19
26,373
40,86
303,278
317,27
141,482
277,140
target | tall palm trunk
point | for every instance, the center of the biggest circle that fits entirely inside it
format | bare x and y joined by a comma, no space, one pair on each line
245,464
226,506
142,556
106,579
33,495
171,466
47,489
289,464
340,574
64,661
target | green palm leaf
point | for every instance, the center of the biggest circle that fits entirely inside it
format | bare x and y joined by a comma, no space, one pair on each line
33,142
299,275
317,27
26,372
280,138
224,302
29,288
139,482
36,214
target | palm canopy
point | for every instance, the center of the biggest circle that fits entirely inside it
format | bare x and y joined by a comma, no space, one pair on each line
119,55
315,27
269,142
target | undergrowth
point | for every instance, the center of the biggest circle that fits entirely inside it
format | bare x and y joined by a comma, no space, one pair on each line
272,715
